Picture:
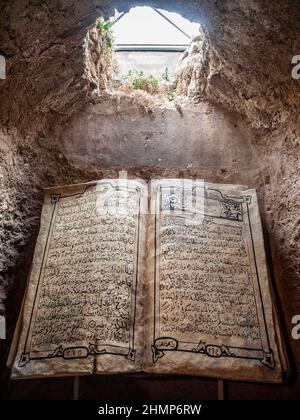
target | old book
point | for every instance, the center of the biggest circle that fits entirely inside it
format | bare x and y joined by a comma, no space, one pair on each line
167,278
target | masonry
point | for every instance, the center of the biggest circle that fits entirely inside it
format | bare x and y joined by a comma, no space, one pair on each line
237,122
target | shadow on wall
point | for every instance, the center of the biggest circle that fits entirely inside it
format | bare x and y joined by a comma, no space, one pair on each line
125,137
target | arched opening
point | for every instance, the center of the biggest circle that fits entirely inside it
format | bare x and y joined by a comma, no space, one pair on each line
144,47
144,115
151,40
61,124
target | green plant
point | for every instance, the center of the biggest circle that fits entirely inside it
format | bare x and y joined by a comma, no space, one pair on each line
139,81
105,28
154,82
166,75
171,93
137,78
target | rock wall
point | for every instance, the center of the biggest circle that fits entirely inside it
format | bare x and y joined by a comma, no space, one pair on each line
243,60
55,62
119,134
55,68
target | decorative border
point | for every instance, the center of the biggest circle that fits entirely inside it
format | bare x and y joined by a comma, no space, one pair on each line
232,209
83,352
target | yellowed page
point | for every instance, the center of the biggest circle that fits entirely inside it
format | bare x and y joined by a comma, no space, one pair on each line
209,304
82,312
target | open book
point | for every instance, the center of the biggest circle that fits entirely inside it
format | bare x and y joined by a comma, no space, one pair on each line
169,277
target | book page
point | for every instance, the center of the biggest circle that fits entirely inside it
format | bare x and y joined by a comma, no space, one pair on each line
209,304
83,311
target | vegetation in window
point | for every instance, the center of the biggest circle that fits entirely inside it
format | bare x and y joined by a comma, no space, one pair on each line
137,80
105,29
166,75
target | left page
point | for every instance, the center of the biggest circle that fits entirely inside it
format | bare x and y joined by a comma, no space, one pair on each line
82,313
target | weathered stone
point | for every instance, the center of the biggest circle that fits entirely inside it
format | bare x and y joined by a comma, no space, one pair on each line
56,71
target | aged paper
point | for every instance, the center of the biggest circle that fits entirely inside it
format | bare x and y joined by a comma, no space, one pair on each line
209,302
83,311
202,307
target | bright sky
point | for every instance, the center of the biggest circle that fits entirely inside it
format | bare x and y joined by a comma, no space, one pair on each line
143,25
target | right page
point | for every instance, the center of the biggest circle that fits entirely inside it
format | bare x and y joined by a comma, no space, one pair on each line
209,308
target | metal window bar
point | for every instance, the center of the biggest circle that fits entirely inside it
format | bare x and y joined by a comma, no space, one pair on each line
151,47
171,22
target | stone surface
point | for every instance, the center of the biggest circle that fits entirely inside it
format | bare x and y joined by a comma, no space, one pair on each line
111,134
55,68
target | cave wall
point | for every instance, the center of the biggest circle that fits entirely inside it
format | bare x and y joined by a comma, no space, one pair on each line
56,76
249,59
120,134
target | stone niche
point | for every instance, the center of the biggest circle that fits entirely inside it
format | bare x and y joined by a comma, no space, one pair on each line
238,122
